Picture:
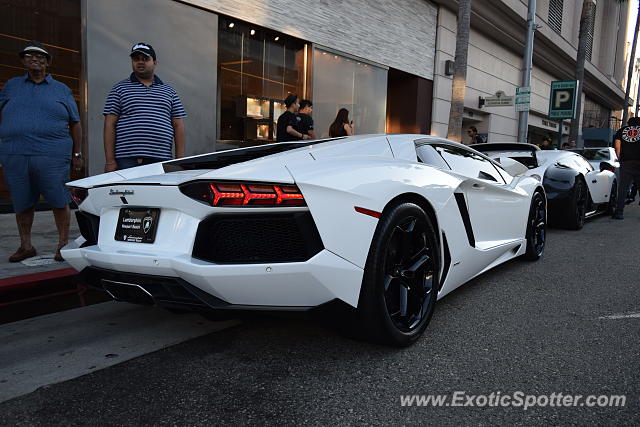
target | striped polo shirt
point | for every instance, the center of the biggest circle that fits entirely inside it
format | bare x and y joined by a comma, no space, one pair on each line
144,113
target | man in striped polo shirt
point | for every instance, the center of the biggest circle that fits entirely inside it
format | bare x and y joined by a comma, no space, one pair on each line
143,116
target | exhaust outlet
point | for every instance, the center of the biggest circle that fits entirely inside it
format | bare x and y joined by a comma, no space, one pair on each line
128,292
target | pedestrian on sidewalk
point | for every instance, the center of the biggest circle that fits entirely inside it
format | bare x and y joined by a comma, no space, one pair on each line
627,145
305,125
341,126
39,130
143,116
475,138
289,121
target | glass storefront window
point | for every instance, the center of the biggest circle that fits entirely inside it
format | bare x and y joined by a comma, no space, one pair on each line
55,24
258,68
342,82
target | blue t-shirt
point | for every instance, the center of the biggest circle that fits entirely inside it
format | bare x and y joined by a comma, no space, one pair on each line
35,117
144,127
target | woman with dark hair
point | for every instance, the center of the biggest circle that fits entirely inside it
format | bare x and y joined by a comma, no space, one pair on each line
341,126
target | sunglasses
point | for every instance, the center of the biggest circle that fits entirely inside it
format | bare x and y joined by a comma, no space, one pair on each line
34,55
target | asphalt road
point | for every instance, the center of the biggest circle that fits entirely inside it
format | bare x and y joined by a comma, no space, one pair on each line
538,328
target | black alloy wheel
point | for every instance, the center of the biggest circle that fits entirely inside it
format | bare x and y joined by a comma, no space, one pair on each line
581,203
578,206
400,284
613,198
536,227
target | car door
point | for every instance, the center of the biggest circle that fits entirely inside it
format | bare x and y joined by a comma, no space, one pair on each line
494,208
599,182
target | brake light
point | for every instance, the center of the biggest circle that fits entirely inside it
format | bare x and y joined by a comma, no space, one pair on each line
220,194
78,194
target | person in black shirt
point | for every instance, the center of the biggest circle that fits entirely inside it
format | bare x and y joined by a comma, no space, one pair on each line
306,121
341,126
546,144
473,134
288,122
627,145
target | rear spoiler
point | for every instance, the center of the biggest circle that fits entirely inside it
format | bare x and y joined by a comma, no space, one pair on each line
488,147
505,146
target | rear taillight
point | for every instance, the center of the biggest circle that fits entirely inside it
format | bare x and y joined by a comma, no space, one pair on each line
221,194
78,194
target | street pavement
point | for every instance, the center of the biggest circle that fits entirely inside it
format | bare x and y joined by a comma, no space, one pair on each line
569,324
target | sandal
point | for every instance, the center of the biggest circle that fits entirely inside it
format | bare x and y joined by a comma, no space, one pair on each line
58,255
22,254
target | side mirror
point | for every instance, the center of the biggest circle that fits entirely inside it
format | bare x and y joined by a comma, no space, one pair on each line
606,166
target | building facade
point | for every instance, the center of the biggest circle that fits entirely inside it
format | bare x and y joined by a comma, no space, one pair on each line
233,63
495,63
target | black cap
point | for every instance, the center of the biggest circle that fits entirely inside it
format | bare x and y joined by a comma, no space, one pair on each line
143,48
290,100
35,47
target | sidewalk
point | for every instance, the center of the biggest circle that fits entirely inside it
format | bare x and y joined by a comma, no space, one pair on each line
44,239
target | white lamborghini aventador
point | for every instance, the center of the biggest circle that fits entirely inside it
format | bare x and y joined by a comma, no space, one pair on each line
384,223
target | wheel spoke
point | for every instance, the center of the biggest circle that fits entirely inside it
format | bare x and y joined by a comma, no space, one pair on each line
410,272
404,293
406,232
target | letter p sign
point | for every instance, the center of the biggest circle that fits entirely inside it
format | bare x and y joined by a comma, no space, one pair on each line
562,99
562,96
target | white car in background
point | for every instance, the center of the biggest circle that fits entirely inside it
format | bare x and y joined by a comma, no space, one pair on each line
385,224
597,155
575,189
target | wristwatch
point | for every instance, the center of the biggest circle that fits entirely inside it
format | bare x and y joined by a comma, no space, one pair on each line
77,155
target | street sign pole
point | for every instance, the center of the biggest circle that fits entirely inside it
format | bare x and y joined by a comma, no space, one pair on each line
560,134
523,115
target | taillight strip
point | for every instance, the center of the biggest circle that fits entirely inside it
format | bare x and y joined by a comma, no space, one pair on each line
367,212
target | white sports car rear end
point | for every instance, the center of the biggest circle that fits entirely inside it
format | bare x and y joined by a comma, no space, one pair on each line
385,224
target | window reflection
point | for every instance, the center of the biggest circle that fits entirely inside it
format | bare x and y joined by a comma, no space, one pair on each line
258,68
361,88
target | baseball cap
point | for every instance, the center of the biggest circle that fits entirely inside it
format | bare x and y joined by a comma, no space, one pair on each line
36,47
143,48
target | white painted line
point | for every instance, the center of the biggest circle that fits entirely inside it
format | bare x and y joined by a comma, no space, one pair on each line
45,259
622,316
61,346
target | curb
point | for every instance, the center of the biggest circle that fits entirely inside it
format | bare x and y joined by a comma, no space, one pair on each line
35,279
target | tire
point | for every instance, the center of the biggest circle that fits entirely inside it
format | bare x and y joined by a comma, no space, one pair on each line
613,198
536,227
400,284
577,206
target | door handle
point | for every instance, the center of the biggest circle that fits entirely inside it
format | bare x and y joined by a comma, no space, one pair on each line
477,186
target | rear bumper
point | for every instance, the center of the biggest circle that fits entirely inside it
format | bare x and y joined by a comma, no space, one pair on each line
322,278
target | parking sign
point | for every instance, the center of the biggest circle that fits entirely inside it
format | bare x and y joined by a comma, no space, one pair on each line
562,100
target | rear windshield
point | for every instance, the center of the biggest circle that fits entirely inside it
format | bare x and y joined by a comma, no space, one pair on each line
600,154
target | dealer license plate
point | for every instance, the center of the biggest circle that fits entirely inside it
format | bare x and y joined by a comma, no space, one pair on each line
137,225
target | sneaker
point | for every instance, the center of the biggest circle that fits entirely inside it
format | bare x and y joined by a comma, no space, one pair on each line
22,254
617,217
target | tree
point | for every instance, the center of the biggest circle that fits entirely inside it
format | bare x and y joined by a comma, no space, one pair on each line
460,71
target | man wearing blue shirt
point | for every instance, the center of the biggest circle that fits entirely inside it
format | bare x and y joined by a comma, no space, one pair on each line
143,116
39,130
